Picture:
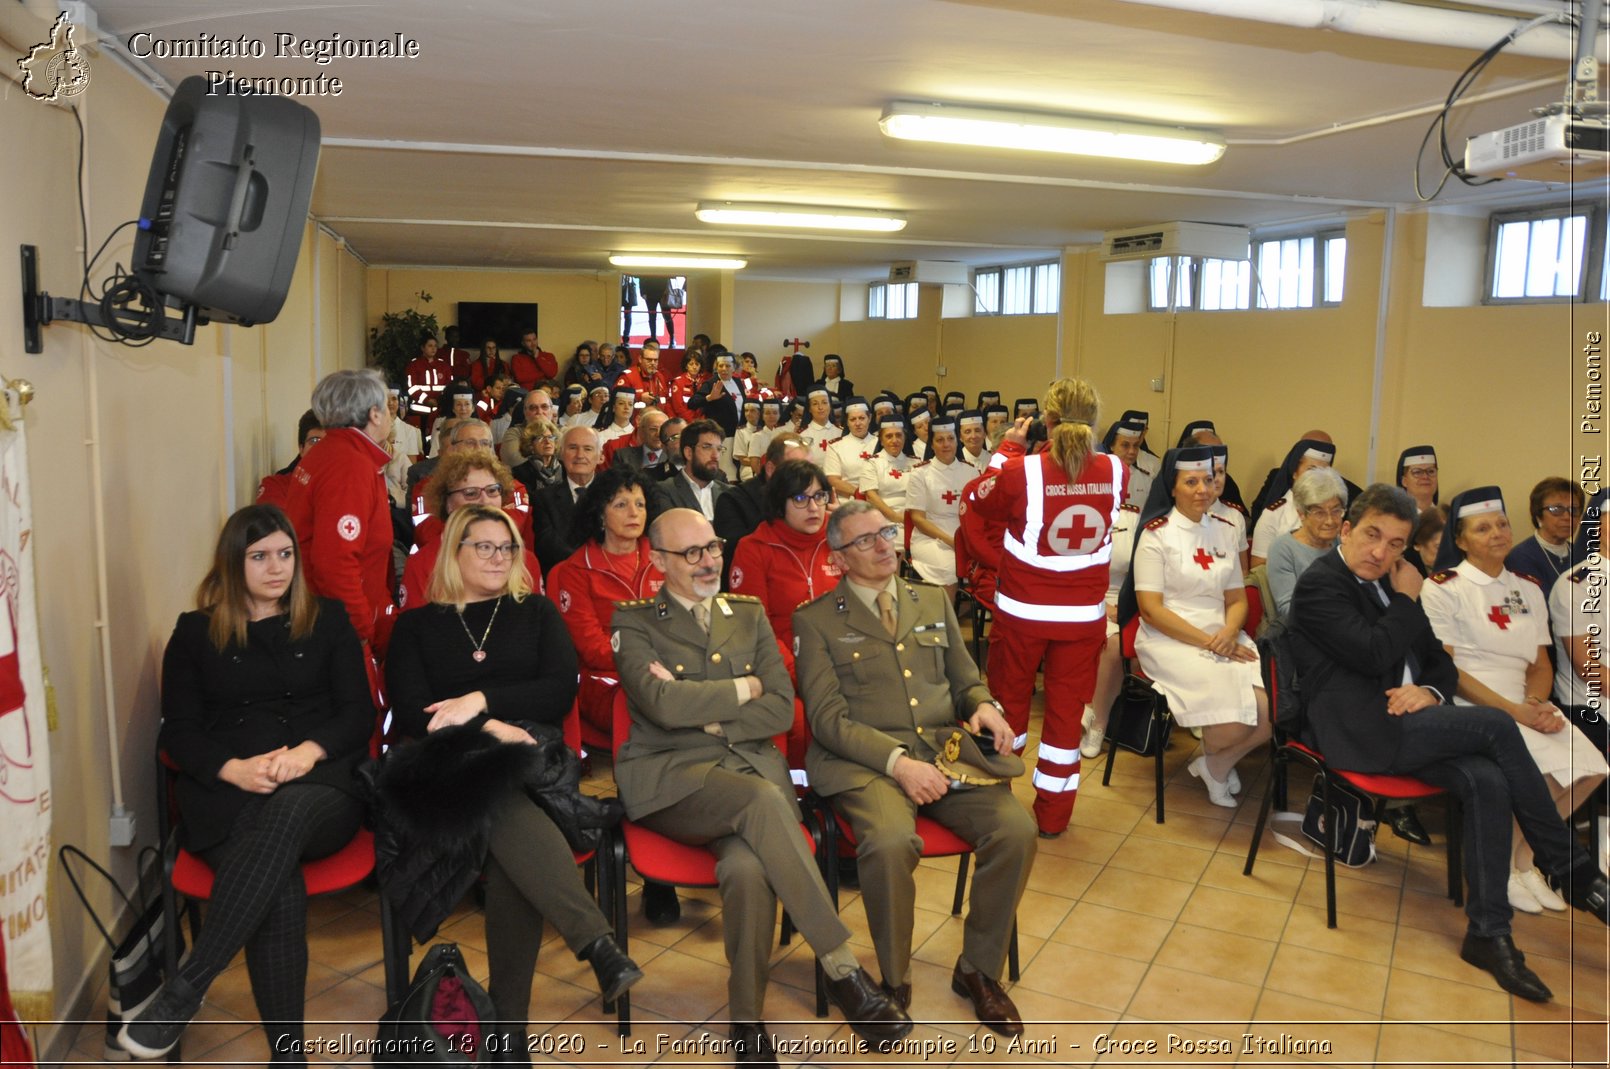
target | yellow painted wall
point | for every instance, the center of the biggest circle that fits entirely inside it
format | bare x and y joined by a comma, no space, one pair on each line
184,431
765,313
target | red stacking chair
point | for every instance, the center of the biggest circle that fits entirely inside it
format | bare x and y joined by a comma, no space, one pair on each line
1135,677
1287,750
657,857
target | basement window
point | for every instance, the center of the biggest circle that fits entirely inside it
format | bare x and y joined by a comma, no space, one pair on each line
1549,254
892,300
1026,289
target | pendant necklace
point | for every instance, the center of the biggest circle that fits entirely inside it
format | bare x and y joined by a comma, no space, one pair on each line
480,647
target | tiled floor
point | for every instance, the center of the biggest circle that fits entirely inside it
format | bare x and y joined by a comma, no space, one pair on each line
1135,937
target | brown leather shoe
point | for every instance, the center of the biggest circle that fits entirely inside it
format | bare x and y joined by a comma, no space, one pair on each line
989,1001
870,1013
899,994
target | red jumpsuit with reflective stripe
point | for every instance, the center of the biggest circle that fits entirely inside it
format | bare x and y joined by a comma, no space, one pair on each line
1050,602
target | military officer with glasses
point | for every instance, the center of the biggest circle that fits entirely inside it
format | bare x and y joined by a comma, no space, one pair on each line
887,682
707,691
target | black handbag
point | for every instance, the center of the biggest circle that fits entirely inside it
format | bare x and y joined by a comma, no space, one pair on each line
1352,814
134,973
445,1018
1139,721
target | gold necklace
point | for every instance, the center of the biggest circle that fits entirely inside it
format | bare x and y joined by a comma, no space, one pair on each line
480,647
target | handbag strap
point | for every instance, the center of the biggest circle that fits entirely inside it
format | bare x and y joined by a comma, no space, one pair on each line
1288,841
69,850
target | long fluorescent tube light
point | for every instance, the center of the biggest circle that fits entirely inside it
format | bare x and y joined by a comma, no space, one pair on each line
1034,132
800,215
713,263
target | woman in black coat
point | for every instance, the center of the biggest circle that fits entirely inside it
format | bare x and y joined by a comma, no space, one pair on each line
266,711
485,662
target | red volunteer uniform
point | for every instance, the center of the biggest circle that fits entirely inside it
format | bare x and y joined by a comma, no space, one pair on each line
586,585
652,389
342,516
529,369
421,563
1050,602
426,378
275,489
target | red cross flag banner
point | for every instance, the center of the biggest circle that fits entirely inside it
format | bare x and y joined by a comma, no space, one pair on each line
24,738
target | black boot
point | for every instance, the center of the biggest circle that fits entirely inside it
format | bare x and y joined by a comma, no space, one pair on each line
615,971
659,903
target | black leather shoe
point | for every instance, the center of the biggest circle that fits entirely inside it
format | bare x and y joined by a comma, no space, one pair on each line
1499,956
1587,890
615,971
751,1044
660,904
1405,824
990,1002
899,994
870,1013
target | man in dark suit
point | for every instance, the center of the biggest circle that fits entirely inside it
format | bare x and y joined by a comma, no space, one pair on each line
887,681
552,508
698,484
1376,685
641,449
670,450
738,511
706,689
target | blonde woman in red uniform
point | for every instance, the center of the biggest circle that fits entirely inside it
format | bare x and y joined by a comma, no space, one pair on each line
1058,507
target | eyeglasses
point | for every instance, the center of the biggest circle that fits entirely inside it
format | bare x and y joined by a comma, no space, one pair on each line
475,493
1335,512
1421,473
693,554
488,550
1560,510
547,437
867,541
819,499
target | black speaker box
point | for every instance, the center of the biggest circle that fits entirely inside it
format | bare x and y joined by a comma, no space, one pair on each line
226,202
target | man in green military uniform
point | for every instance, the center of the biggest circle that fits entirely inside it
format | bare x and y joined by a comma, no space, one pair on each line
707,690
887,682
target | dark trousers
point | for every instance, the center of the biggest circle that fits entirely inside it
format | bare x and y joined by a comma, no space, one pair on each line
260,902
1477,753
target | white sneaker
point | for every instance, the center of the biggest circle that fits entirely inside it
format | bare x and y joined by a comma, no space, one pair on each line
1234,782
1218,793
1093,737
1540,889
1520,897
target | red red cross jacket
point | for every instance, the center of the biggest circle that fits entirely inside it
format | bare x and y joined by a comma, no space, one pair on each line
784,569
586,588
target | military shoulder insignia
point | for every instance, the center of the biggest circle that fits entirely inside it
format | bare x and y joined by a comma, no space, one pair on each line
1221,519
748,598
1579,575
1534,579
1274,505
920,464
1161,521
1238,506
840,604
1129,508
1443,576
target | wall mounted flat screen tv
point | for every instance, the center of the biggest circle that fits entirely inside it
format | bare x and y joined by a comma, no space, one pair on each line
503,320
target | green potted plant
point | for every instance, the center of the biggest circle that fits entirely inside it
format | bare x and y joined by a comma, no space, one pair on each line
395,342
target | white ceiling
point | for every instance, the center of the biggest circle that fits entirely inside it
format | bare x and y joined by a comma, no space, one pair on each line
549,133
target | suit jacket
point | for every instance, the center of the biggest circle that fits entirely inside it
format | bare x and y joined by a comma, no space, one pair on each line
724,410
677,493
669,753
1350,650
866,693
737,514
631,456
551,509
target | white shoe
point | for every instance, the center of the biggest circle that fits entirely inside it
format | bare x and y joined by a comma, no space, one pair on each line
1093,737
1234,782
1534,882
1218,793
1520,897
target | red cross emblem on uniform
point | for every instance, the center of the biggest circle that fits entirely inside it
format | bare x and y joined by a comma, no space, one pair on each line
825,443
949,497
866,456
1499,616
896,473
1203,558
348,527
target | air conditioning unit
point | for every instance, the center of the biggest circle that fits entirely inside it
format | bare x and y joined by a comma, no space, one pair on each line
1554,148
930,272
1212,240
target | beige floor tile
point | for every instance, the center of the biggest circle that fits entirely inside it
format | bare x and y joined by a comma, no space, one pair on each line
1095,978
1061,876
1429,1000
1191,1000
1229,911
1156,857
1113,931
1082,842
1105,814
1040,914
1139,893
1420,1044
1361,938
1357,898
1205,832
1354,984
1217,953
1267,881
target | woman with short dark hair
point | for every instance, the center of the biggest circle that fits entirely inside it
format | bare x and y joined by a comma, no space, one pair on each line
1555,506
266,711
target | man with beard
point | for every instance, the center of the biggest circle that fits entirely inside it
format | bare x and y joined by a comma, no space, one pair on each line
699,483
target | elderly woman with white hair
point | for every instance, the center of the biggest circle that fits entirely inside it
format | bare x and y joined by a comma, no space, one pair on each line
1319,498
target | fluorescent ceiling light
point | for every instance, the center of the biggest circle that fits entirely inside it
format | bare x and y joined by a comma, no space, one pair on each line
1049,133
800,215
714,263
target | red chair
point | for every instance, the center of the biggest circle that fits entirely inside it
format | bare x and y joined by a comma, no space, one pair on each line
1287,750
664,860
1254,611
1135,677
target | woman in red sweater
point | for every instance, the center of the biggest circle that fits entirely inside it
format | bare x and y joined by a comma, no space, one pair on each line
613,564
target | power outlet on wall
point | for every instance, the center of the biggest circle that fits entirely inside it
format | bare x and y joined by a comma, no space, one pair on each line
1157,384
941,371
121,831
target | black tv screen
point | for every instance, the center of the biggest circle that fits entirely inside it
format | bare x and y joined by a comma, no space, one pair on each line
503,320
